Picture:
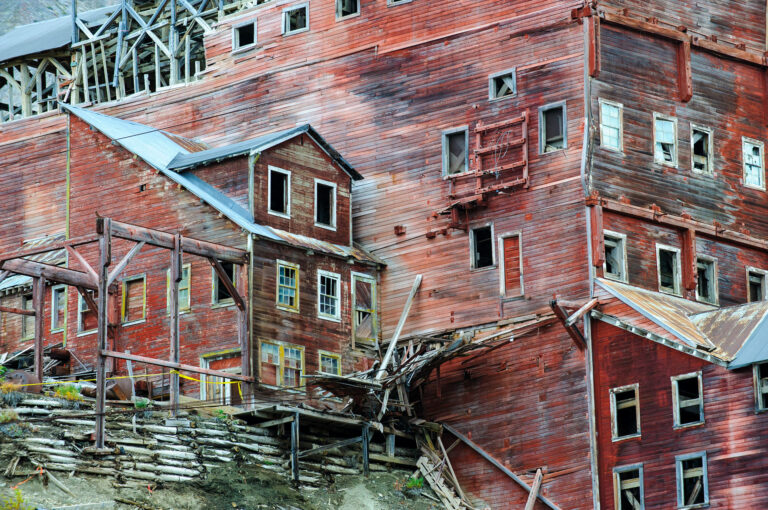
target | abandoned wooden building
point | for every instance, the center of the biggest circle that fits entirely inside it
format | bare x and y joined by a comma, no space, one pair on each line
576,188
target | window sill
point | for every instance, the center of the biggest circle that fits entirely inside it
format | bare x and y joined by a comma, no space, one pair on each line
506,299
670,292
552,151
279,214
457,174
624,438
615,278
688,426
294,32
667,164
752,186
133,323
85,333
223,304
395,4
59,330
348,16
244,49
329,318
480,269
326,227
287,308
612,149
689,507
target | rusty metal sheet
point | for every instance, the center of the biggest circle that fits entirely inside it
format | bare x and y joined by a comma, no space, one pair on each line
55,258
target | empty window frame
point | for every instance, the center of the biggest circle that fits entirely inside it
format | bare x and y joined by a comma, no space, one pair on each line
244,36
701,150
615,265
365,321
706,279
625,412
328,295
185,285
760,373
668,269
455,151
27,321
218,389
325,204
628,488
664,140
279,192
754,163
687,400
134,307
87,320
220,295
511,265
502,84
282,364
756,284
692,485
330,363
553,135
58,308
611,125
481,247
296,19
287,286
347,9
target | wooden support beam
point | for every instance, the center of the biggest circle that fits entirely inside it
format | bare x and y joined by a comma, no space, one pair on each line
572,331
684,76
224,278
295,448
176,275
54,274
274,423
593,42
319,449
399,329
124,262
689,260
17,311
177,366
366,459
105,259
597,243
243,324
83,263
88,298
452,472
578,314
534,491
38,303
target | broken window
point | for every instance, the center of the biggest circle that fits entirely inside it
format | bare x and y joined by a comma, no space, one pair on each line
706,280
756,284
512,280
701,150
625,410
325,204
287,286
134,299
753,163
330,363
760,372
328,288
244,36
552,128
364,299
279,192
296,19
27,321
220,293
611,125
219,389
481,241
347,8
184,288
668,267
628,488
502,85
615,265
455,153
665,140
692,487
293,365
58,308
687,400
270,363
87,320
282,364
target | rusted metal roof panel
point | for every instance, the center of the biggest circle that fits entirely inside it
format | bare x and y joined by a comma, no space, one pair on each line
729,328
55,258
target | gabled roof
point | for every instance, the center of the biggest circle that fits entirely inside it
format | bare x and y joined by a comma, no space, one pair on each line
160,149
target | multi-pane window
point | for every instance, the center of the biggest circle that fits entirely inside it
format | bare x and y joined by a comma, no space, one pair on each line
501,85
754,173
218,389
756,284
625,411
296,19
481,246
134,299
706,280
325,204
365,322
512,265
615,265
611,131
668,268
220,293
185,300
282,365
270,363
628,488
665,140
701,150
293,358
27,321
760,372
347,8
87,320
687,401
244,36
455,151
552,128
330,363
692,486
279,192
58,308
328,295
287,285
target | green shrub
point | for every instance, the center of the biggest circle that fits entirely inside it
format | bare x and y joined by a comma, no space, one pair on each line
69,392
8,416
14,502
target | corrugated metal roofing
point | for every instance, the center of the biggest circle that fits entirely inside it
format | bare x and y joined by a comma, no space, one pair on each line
55,258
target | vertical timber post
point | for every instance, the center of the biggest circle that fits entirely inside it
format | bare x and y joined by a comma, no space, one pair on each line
173,41
366,469
104,229
295,448
75,32
241,285
38,302
176,274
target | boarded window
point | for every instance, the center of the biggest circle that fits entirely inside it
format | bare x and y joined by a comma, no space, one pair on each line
244,36
482,246
328,306
761,386
220,292
279,192
665,140
87,319
502,85
756,282
58,308
668,264
692,486
455,154
610,125
296,19
688,402
365,320
701,150
513,275
27,321
628,482
625,412
325,204
615,257
134,297
287,285
219,389
552,128
754,176
706,280
330,363
347,8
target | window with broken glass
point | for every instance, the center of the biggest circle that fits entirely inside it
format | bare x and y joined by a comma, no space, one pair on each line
501,85
760,372
625,412
628,488
615,265
296,19
701,150
756,284
455,153
706,280
692,486
668,267
665,140
552,128
687,400
754,175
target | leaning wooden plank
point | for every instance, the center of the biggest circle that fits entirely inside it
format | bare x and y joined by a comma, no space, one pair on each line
450,470
534,491
578,314
399,329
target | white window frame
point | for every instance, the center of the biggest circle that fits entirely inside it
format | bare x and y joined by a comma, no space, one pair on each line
678,269
492,89
756,372
188,307
27,298
288,10
614,412
472,247
287,213
80,305
375,299
710,145
600,103
661,161
236,47
348,16
334,276
332,185
446,156
329,354
296,267
715,287
622,240
124,302
542,126
676,398
761,145
617,484
764,273
502,267
679,475
205,361
58,328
